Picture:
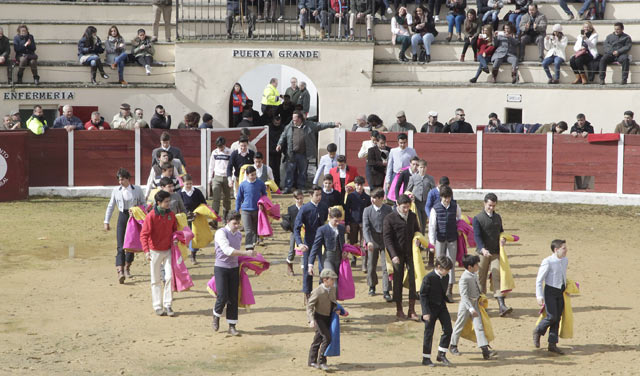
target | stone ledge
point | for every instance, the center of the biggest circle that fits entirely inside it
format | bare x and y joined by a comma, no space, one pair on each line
503,85
85,85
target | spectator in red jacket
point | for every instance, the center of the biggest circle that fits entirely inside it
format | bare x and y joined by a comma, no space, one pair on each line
96,122
342,175
485,50
238,102
155,236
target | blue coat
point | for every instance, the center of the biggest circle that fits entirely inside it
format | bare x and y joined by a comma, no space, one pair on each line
311,217
325,236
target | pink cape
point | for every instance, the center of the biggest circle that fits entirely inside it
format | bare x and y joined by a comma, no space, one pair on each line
465,235
266,209
258,264
181,278
346,286
132,241
391,195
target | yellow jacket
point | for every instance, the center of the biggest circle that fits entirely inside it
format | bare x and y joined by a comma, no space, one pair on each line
469,333
270,96
36,126
566,320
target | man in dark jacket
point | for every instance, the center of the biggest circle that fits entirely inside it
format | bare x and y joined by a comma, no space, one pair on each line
300,138
275,131
247,119
405,175
458,125
377,157
5,51
581,127
397,231
616,49
432,125
160,119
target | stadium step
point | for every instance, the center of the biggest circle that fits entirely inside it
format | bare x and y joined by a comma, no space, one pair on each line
455,72
441,50
73,71
84,85
56,50
73,30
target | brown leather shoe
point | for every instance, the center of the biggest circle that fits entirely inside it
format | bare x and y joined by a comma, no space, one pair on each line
578,79
554,349
123,82
290,269
120,274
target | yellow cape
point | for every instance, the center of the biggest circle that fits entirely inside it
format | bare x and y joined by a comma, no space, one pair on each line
138,214
566,321
418,265
152,194
351,185
469,333
202,234
242,173
182,223
506,277
414,209
272,187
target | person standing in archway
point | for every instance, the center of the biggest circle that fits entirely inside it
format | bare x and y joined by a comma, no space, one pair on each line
270,97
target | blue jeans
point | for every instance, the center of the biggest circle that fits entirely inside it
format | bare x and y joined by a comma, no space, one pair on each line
426,39
297,164
565,7
515,18
93,61
405,41
493,14
459,19
121,60
482,63
556,61
600,5
585,6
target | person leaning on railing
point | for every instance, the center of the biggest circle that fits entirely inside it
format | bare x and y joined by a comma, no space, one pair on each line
37,123
123,119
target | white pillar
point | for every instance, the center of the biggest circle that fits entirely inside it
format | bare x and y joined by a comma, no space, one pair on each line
479,159
137,152
549,160
70,156
620,179
410,139
203,161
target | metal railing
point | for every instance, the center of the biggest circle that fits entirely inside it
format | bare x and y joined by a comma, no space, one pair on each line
264,20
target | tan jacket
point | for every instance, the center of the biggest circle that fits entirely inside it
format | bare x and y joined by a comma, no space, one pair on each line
321,301
623,129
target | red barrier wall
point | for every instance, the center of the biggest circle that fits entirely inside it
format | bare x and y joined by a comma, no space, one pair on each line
14,166
99,154
188,141
353,143
514,161
631,175
48,158
574,156
232,135
450,155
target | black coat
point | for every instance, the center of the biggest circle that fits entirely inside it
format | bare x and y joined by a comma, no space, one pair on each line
398,234
161,122
377,169
403,181
458,127
433,293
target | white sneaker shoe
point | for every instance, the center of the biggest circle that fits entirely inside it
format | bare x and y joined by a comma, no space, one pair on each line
389,10
147,68
436,18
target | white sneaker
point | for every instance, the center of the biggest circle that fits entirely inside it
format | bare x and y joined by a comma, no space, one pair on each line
389,10
436,18
147,68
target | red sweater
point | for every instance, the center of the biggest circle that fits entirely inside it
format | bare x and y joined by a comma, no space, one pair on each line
484,47
157,231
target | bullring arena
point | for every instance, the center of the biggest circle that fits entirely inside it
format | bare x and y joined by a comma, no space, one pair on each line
66,312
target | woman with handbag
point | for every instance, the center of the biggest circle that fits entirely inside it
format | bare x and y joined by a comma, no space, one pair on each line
424,31
586,51
89,49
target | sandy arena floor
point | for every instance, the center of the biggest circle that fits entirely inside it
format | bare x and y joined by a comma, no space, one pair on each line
64,312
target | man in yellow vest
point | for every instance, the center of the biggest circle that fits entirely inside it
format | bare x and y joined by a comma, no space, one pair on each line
36,123
271,98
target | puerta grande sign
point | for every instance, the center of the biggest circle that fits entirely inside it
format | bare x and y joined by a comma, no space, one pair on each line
282,54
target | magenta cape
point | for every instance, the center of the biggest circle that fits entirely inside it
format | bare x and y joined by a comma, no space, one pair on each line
258,265
181,277
132,241
465,236
391,195
266,209
346,286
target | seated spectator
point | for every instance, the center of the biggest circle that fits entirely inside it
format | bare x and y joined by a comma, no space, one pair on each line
558,128
89,49
533,28
361,11
495,125
143,51
458,125
116,54
555,44
67,120
307,7
25,48
616,49
191,121
160,118
376,123
582,12
424,32
305,98
233,9
207,121
492,15
165,144
485,51
140,122
15,122
247,119
565,8
401,124
471,28
581,127
400,31
327,162
432,125
37,123
123,119
361,124
339,11
600,7
5,52
238,101
506,47
96,123
586,50
456,17
434,8
244,132
628,125
522,7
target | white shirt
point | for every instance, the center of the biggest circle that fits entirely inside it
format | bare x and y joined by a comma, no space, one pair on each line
553,272
127,196
366,145
189,193
376,208
433,222
218,162
222,241
236,145
326,164
342,173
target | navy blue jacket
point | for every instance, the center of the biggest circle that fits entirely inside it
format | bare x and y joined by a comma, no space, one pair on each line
18,45
85,48
312,218
191,203
331,199
325,236
354,208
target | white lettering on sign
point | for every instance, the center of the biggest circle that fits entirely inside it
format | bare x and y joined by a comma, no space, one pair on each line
283,54
514,98
38,95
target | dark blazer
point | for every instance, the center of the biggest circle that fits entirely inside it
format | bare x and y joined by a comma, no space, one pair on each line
403,181
398,234
289,218
433,293
325,236
332,199
311,217
374,161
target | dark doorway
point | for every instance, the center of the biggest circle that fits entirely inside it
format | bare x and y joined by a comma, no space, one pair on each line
513,115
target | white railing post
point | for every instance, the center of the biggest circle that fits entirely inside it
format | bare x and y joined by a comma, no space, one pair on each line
70,156
620,179
137,152
203,161
410,139
549,160
479,159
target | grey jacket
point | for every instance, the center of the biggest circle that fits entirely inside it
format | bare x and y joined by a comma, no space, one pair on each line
311,130
420,186
372,221
469,291
621,43
505,46
539,23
